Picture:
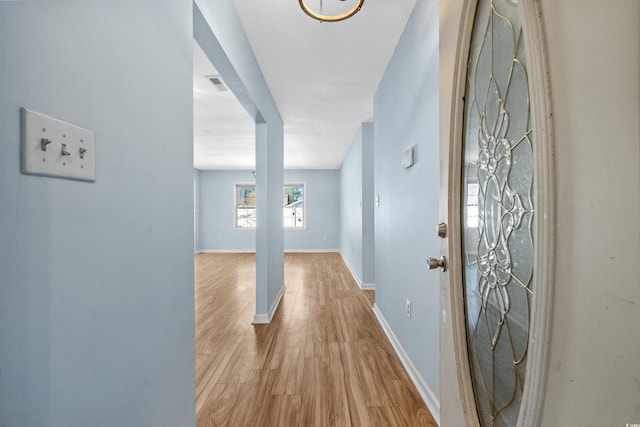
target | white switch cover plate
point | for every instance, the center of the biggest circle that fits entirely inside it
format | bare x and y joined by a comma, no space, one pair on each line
407,158
52,147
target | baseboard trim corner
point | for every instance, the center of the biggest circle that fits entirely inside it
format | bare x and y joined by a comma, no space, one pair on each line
352,271
425,391
260,319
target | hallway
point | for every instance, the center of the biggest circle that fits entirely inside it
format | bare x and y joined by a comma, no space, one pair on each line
323,360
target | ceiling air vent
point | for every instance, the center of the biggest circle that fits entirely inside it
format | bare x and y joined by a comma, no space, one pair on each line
218,83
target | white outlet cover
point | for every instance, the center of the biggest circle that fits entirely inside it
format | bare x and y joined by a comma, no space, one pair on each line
44,141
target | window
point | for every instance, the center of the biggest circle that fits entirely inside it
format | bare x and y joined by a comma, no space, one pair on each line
293,206
472,214
245,206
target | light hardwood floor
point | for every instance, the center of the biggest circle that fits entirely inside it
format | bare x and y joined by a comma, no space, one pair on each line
323,360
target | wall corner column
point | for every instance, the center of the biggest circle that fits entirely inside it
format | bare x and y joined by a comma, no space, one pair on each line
269,227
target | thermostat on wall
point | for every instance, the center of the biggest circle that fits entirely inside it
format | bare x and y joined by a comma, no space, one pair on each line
407,158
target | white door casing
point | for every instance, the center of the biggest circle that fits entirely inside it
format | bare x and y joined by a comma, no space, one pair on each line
457,404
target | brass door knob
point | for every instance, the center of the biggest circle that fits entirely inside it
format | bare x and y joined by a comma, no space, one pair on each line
438,262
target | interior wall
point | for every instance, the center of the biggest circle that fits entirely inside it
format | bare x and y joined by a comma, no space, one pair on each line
96,279
351,207
322,203
368,208
196,210
594,374
217,232
406,115
357,232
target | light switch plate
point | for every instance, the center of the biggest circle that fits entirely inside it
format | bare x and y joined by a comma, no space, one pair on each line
52,147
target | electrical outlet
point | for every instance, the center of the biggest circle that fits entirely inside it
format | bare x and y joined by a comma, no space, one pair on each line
408,308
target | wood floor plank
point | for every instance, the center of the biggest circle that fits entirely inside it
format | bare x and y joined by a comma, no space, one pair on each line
251,353
214,370
354,387
411,406
387,416
284,411
323,361
220,406
287,357
324,401
255,408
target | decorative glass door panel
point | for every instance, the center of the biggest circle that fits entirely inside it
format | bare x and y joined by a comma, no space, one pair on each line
497,209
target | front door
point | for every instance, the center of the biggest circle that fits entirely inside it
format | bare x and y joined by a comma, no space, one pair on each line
491,207
497,212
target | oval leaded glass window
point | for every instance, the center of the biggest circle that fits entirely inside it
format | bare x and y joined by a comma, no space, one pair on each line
497,211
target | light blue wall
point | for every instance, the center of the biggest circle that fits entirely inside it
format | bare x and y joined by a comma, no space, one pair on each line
96,279
196,210
351,207
357,238
217,210
368,205
322,202
406,114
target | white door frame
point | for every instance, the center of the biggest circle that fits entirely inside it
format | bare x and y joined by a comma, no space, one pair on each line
457,404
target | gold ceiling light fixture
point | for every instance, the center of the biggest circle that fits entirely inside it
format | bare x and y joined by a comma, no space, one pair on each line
333,11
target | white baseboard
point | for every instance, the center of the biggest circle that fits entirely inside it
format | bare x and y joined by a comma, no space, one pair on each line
261,319
266,318
253,251
426,393
227,251
351,270
310,251
363,286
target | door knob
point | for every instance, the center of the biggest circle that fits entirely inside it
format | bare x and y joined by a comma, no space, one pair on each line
438,262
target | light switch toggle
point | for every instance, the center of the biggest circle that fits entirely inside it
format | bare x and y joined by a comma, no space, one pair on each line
43,143
82,151
64,151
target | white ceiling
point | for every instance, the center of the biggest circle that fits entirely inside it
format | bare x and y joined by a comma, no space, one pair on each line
322,77
223,132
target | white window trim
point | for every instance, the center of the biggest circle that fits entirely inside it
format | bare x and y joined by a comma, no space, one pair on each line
304,211
234,217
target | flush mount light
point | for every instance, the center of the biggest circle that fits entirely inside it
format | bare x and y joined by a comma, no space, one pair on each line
331,10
